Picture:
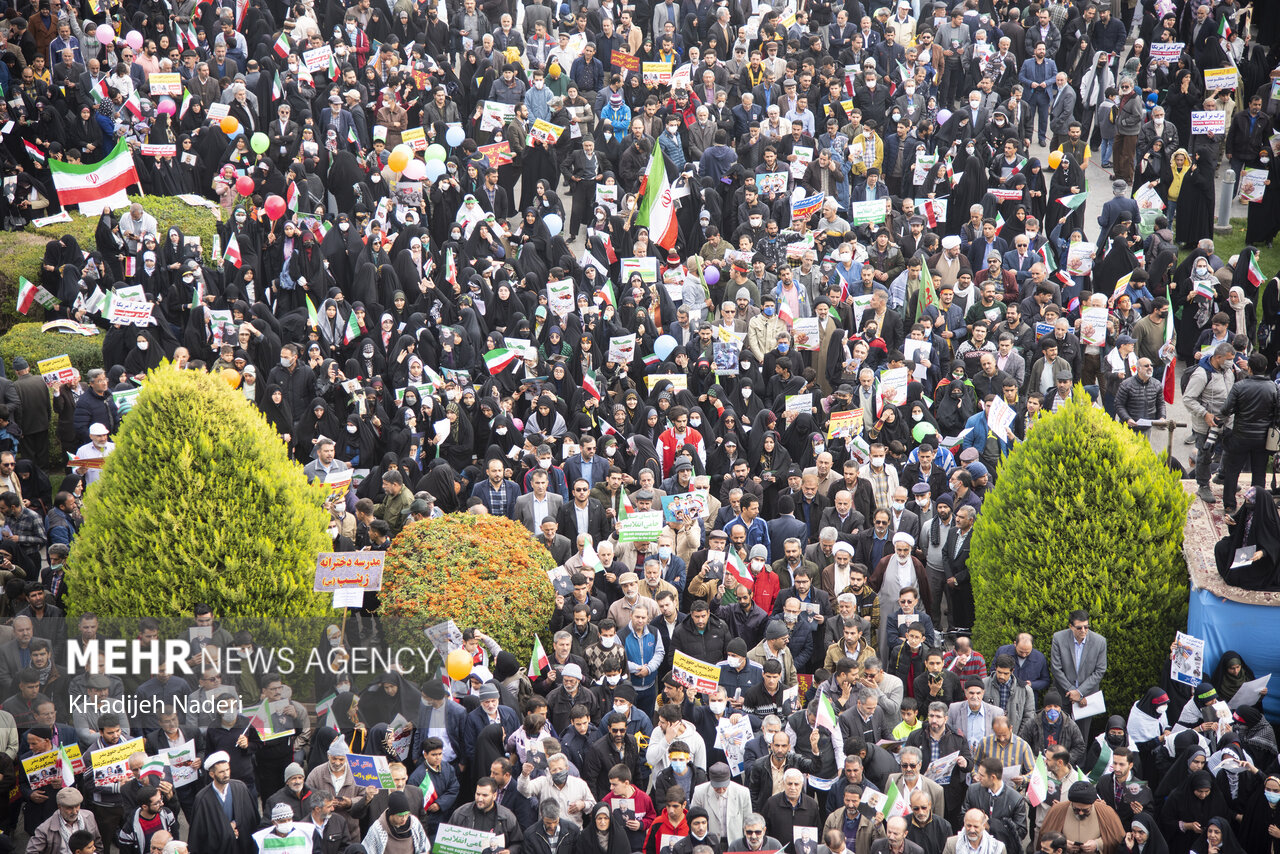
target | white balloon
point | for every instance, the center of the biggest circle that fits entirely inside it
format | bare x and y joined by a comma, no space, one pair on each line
554,223
663,346
454,136
432,170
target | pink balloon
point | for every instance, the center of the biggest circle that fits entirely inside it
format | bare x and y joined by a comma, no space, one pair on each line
134,39
416,170
166,107
105,34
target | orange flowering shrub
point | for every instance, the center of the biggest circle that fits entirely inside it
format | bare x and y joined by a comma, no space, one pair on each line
481,571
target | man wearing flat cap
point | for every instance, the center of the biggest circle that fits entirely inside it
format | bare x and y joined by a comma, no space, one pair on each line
50,837
1083,819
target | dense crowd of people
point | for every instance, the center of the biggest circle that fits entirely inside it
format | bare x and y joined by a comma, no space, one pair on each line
798,276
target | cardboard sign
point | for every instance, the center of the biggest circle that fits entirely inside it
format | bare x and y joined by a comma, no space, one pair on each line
499,153
494,116
56,371
691,504
317,59
678,381
348,571
1166,51
842,425
451,839
165,84
647,268
800,403
641,527
625,61
1219,78
545,131
697,675
111,764
415,138
867,213
1204,122
130,312
370,771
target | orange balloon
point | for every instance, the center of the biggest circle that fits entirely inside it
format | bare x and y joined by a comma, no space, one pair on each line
458,664
399,159
232,377
1055,159
229,124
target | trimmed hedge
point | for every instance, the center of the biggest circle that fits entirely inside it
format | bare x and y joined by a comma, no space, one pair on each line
23,251
1084,514
200,503
481,571
26,340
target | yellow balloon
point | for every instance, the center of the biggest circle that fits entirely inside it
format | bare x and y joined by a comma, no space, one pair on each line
458,664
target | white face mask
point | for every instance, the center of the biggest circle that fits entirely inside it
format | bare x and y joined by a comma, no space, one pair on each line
608,642
285,828
1161,709
877,462
735,662
610,451
695,422
717,706
143,345
621,709
917,416
544,463
755,221
819,448
613,680
333,532
922,502
351,428
501,431
746,392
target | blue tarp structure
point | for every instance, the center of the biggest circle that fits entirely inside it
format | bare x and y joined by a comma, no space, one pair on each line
1250,630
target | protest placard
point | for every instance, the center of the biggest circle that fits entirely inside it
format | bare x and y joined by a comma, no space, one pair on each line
870,212
805,332
804,156
678,381
656,73
1093,326
415,138
641,527
842,425
451,839
494,116
56,371
647,267
158,150
1187,664
43,770
772,182
1252,184
499,153
165,84
893,385
317,59
545,131
692,673
801,403
695,504
370,771
182,765
625,61
1219,78
1166,51
622,349
1205,122
111,764
445,637
348,571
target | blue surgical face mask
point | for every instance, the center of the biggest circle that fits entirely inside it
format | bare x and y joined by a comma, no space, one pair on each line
1273,798
768,311
664,552
782,348
1052,715
679,766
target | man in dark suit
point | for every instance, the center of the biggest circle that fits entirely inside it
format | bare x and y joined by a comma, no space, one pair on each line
784,527
1112,210
847,521
874,542
538,503
583,515
284,135
1019,259
1078,659
802,588
1006,809
957,554
585,465
1121,789
1030,667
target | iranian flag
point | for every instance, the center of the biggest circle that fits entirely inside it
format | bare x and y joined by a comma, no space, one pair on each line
33,152
895,803
186,105
605,292
625,506
353,329
311,311
784,312
232,255
657,208
134,105
537,659
153,765
277,88
589,385
242,6
1255,271
736,570
928,291
96,184
450,267
1074,201
1169,366
324,711
282,45
291,198
999,222
1224,28
497,360
428,787
1038,787
827,716
66,767
29,294
590,558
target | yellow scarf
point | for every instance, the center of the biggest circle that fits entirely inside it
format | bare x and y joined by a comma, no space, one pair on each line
1175,186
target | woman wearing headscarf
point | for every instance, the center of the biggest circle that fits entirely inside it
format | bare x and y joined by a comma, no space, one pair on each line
1190,810
602,833
1190,758
1195,282
317,421
1195,221
1229,675
387,696
1260,827
1218,838
144,355
1144,836
1256,525
1147,723
1067,180
1242,318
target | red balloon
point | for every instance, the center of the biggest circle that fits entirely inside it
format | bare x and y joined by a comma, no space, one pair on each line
274,206
244,185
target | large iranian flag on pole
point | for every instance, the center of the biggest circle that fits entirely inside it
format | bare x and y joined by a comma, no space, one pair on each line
658,208
94,186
